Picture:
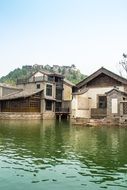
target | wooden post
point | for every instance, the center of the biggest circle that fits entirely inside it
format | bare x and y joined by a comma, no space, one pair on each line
42,108
59,117
68,117
0,106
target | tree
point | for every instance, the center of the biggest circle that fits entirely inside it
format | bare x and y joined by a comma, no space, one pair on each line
123,64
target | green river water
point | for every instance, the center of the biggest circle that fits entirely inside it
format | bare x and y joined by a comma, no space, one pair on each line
47,155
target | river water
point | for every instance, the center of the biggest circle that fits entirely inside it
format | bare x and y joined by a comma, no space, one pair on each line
47,155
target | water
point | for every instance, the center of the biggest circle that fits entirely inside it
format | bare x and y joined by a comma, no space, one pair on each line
47,155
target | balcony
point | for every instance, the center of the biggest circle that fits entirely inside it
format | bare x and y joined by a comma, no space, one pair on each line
62,110
21,81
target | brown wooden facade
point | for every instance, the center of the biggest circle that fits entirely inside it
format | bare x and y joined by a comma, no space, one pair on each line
28,104
103,81
102,78
41,93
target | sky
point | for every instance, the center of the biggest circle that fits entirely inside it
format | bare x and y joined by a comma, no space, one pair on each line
87,33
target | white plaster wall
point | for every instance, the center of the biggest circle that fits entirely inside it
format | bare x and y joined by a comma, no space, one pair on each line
74,106
94,92
74,102
90,98
83,112
31,86
82,103
0,91
37,75
67,92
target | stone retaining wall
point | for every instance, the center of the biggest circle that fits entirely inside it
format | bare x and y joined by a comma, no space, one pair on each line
48,115
20,116
79,121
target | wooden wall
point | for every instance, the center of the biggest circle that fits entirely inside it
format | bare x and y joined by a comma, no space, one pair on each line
103,81
29,104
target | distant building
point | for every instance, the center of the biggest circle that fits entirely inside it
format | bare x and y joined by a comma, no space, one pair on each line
55,66
27,67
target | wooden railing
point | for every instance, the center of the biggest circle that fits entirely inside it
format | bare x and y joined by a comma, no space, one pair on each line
97,113
62,110
22,81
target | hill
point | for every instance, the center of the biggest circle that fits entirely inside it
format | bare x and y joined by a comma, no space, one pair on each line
70,72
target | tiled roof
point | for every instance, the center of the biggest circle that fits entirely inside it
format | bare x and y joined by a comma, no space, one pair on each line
97,73
8,86
117,90
47,73
69,82
81,91
20,94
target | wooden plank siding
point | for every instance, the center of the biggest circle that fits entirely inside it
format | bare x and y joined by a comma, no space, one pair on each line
103,81
28,104
97,113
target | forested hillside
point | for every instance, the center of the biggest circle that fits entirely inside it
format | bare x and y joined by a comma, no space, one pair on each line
70,72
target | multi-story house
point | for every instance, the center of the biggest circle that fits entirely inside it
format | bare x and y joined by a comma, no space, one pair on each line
45,93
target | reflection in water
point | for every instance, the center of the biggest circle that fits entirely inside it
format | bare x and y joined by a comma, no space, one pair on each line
50,155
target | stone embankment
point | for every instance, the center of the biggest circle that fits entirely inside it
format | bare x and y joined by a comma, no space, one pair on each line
19,116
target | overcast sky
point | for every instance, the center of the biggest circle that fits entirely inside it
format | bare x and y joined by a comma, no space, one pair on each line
87,33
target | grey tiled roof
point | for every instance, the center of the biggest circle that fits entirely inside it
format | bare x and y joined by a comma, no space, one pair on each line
81,91
69,82
97,73
117,90
8,86
20,94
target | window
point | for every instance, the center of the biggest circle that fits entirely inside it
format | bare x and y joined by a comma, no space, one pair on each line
50,78
114,105
48,105
58,107
49,90
102,103
58,79
38,86
59,94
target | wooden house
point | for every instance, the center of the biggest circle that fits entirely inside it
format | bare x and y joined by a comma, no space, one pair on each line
42,93
100,95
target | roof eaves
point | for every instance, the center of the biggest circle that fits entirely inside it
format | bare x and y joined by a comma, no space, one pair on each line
98,72
9,86
68,82
80,92
19,95
117,90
